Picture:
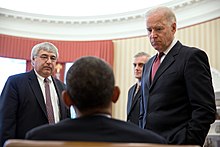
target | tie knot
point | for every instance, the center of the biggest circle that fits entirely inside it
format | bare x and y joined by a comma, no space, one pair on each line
160,55
46,80
138,86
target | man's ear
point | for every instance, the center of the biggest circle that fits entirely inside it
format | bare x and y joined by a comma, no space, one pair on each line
66,98
174,27
116,94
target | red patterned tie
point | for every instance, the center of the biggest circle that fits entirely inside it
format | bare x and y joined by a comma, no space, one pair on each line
156,64
49,106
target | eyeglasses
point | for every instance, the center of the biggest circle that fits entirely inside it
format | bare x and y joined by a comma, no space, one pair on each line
46,57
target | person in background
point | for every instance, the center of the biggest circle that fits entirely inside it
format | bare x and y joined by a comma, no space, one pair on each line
134,94
23,99
91,90
179,101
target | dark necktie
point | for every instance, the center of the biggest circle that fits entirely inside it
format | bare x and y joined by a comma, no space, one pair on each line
156,64
136,90
49,106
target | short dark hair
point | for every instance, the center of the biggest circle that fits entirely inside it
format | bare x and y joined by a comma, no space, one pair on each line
90,83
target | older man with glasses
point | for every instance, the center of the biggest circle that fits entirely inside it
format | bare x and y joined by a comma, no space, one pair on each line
32,99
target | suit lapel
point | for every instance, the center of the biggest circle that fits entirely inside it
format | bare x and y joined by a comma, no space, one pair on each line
135,99
33,82
162,68
148,73
167,62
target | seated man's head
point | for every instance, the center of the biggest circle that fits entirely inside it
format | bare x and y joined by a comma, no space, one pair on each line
90,86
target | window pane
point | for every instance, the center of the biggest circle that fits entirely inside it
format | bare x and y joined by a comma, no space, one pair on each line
67,66
9,67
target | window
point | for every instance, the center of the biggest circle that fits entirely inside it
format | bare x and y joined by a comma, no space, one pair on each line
8,67
67,66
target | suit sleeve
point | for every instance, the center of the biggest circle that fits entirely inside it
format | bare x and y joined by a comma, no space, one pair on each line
201,96
128,101
8,107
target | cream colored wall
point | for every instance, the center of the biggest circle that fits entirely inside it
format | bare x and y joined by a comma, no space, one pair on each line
205,36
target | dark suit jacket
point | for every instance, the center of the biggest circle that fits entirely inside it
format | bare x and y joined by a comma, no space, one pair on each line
179,104
133,105
94,128
22,105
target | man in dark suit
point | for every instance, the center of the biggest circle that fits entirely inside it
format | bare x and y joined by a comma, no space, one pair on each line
179,100
134,94
91,91
23,102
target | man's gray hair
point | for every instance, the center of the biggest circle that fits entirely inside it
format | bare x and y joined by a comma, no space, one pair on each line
168,13
141,54
46,46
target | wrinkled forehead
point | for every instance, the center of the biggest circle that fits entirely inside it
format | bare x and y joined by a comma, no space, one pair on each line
155,24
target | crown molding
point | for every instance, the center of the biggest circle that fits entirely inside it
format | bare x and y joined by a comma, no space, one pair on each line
105,27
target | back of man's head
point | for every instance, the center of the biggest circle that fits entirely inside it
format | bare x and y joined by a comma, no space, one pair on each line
90,83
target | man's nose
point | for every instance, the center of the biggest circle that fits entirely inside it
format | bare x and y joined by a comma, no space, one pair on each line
153,33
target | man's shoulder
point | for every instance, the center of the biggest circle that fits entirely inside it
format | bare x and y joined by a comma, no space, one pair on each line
132,87
46,129
19,77
143,135
57,80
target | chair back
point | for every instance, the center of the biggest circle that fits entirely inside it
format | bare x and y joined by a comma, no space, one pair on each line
39,143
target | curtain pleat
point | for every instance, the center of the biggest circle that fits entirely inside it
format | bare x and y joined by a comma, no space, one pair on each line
28,65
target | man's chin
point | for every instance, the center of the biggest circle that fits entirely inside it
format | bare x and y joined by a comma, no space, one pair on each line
155,46
47,73
137,77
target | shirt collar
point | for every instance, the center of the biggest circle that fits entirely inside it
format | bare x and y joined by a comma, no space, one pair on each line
170,47
42,78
